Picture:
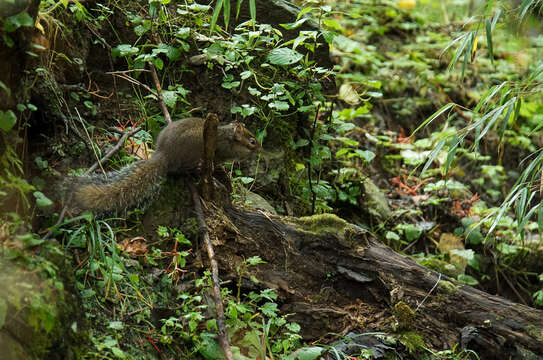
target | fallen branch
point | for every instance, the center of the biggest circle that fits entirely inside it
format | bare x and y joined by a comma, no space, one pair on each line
111,152
221,321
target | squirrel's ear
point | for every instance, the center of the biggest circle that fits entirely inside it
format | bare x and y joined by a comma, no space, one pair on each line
238,130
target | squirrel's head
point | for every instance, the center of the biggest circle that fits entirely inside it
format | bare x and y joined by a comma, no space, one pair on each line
245,141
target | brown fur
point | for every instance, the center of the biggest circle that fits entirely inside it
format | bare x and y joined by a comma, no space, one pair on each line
179,150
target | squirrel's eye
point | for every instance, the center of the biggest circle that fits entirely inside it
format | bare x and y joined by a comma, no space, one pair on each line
252,141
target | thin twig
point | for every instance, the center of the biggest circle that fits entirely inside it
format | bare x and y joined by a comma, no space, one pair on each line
221,321
161,102
510,283
111,152
126,71
134,81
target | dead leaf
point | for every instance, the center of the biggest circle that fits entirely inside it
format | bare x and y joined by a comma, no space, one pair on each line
134,247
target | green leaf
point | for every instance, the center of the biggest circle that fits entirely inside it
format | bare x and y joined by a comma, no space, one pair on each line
279,105
170,97
309,353
8,119
252,10
489,40
367,155
468,280
124,50
226,13
14,22
284,56
467,254
5,88
216,12
42,200
294,25
434,116
116,325
303,12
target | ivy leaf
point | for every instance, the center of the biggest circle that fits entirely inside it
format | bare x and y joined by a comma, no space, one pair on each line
284,56
7,120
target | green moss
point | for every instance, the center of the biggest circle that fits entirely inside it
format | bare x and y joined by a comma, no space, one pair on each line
404,314
535,332
322,223
413,342
448,287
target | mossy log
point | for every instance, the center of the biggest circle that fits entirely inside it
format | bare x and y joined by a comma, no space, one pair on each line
338,278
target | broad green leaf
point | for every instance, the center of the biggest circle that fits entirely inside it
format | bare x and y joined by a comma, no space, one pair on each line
41,199
14,22
8,119
309,353
468,280
284,56
124,50
170,97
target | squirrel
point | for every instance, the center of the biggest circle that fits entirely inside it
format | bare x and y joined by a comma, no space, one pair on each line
180,149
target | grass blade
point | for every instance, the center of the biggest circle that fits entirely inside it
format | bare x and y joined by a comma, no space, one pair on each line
215,16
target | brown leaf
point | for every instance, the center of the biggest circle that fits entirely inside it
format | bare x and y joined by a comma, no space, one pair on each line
134,247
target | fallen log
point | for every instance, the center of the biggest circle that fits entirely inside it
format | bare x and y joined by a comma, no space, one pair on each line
338,278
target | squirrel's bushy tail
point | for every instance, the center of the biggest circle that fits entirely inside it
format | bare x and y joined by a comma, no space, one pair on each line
118,190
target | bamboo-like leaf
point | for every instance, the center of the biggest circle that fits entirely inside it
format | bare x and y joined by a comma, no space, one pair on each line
215,16
238,7
452,152
489,95
433,154
495,115
489,40
252,10
459,51
453,42
434,116
226,13
525,7
536,73
521,203
527,217
496,18
506,118
468,52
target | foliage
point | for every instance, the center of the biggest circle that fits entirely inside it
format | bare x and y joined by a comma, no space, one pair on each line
396,65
